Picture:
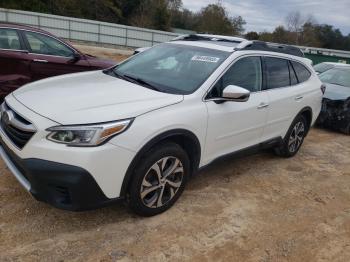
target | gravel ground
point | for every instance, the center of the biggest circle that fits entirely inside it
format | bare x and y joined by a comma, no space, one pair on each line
114,54
253,208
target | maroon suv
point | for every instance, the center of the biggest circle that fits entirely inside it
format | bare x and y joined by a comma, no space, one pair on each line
28,54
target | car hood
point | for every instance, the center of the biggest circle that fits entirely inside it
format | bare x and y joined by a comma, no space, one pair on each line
336,92
91,97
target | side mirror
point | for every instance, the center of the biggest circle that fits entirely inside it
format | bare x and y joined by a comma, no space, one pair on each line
75,58
235,93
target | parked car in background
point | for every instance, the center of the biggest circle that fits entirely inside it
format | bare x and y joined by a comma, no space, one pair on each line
335,111
28,54
137,132
325,66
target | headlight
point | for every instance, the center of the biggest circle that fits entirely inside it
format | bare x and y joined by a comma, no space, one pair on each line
87,135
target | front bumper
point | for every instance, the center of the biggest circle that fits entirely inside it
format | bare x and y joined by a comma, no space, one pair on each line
334,115
43,166
60,185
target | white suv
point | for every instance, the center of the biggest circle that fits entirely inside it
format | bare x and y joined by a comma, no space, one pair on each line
137,132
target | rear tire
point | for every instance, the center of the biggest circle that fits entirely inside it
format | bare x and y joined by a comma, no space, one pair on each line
294,138
159,179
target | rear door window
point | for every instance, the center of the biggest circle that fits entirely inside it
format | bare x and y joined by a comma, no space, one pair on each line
303,74
276,72
9,39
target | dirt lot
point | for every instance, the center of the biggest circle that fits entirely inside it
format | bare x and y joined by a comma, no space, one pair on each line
254,208
114,54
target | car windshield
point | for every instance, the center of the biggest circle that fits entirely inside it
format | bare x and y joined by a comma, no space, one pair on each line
323,67
171,68
337,76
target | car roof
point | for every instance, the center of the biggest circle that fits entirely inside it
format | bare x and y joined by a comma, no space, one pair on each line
23,27
235,44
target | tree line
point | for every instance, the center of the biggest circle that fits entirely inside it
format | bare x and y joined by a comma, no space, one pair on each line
153,14
304,31
168,14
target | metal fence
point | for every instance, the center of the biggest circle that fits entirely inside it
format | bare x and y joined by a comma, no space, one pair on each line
87,30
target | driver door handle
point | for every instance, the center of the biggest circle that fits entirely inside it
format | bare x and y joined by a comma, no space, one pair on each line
263,105
40,61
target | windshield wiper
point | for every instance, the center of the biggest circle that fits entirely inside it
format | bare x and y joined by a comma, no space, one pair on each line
134,80
119,75
141,82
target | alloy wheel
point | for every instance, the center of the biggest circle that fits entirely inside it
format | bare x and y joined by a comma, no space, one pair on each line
161,182
296,137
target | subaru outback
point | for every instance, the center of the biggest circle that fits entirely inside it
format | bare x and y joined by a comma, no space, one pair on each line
138,131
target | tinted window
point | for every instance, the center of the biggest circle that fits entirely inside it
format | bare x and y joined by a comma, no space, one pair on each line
9,39
245,73
277,72
293,77
173,68
302,73
41,44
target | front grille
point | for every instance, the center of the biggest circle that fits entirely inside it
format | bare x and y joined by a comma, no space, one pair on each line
16,128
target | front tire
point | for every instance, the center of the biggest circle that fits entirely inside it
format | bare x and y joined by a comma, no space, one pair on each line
294,138
159,179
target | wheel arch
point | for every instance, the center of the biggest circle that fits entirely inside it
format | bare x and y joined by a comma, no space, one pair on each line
307,113
185,138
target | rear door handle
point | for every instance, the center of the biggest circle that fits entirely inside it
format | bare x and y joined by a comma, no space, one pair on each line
297,98
263,105
40,60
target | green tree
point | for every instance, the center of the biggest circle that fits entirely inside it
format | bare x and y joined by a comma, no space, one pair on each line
281,35
238,25
184,19
214,19
266,36
252,36
161,16
309,35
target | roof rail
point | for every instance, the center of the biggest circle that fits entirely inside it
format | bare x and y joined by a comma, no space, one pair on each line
271,47
206,37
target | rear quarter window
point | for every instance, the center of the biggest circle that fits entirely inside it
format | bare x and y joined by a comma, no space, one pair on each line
303,74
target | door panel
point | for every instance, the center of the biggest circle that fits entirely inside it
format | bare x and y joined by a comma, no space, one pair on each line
285,95
43,66
50,57
14,62
283,109
235,125
14,71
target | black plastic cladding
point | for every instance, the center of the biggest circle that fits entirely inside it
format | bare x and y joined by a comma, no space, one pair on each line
263,46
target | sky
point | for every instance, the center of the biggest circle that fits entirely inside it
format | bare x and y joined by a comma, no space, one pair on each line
265,15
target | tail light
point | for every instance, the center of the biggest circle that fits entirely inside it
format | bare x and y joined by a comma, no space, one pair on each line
323,88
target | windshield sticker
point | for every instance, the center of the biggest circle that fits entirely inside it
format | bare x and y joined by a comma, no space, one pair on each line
207,59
